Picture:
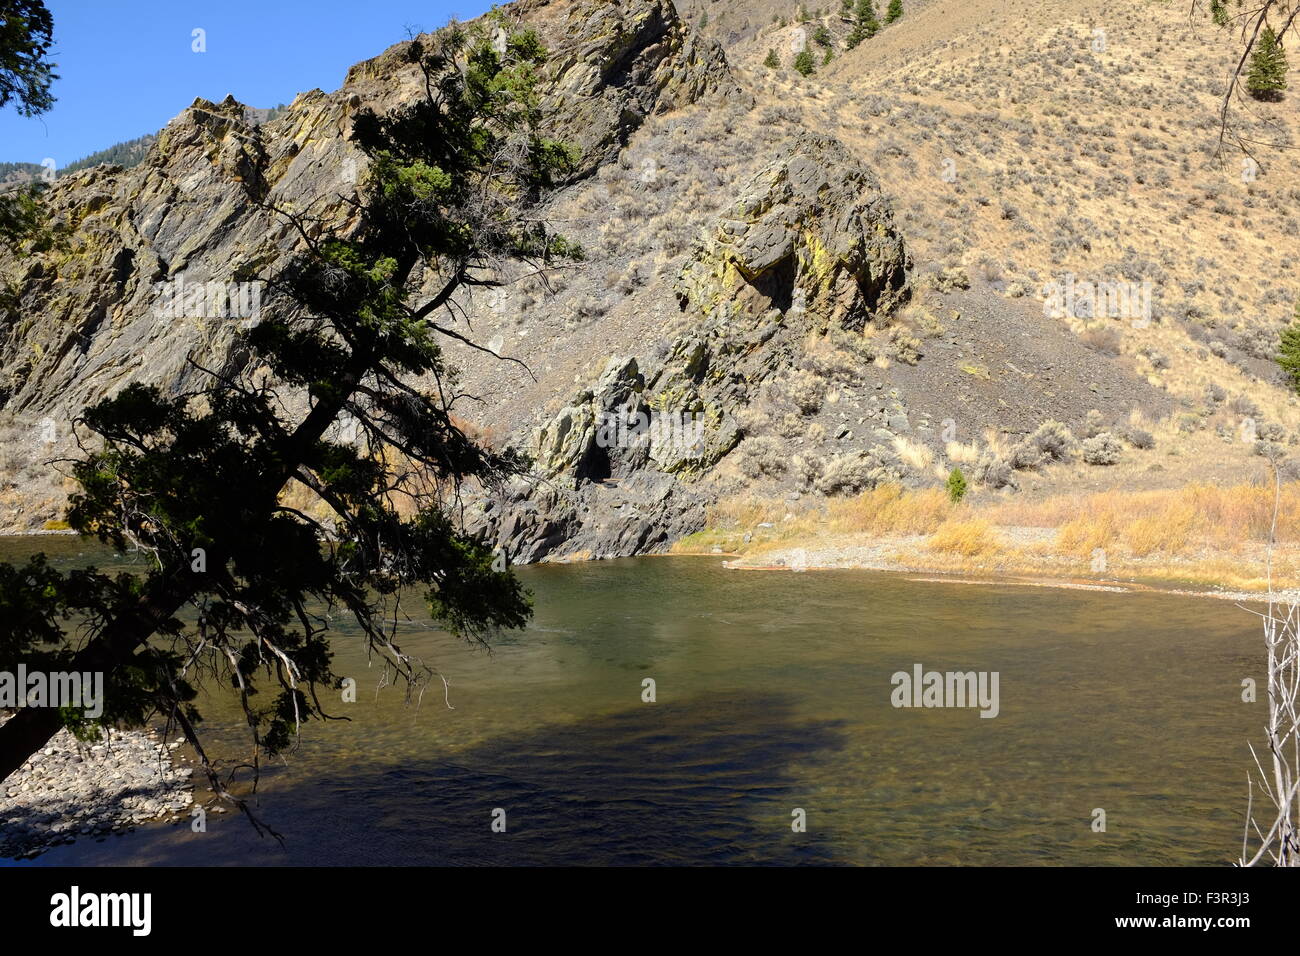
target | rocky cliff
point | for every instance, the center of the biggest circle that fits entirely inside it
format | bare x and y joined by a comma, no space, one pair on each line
85,319
808,247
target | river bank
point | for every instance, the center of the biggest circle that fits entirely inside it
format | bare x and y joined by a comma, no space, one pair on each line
71,791
1203,540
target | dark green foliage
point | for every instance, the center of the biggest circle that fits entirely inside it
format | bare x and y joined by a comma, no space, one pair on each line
243,583
19,171
1219,12
1267,77
1289,351
125,154
26,33
822,36
956,485
895,11
804,63
830,55
867,26
772,61
24,221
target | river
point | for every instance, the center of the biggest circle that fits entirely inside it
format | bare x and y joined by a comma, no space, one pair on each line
772,705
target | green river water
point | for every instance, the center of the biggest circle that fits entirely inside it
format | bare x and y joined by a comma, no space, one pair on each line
773,694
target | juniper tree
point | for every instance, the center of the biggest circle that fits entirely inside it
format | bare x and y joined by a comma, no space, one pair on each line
772,61
1288,355
895,11
26,34
956,485
867,26
804,63
1267,77
244,579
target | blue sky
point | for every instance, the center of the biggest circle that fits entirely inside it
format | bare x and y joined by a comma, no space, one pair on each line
126,66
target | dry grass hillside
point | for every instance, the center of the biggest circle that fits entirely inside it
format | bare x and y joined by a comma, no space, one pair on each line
1026,141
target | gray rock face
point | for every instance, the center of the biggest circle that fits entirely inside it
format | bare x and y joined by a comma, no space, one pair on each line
85,323
620,61
603,486
810,245
812,234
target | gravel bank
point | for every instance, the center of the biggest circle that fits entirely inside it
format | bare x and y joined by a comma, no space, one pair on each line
72,791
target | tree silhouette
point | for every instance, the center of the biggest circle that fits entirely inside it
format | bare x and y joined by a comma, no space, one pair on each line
244,585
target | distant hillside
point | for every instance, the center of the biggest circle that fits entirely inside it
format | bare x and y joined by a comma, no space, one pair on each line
18,172
127,154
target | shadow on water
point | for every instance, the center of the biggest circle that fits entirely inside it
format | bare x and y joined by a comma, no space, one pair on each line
661,784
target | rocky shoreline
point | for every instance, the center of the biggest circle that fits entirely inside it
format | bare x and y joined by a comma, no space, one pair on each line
72,791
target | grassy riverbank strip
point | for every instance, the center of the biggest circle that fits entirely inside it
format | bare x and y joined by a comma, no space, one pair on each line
1201,537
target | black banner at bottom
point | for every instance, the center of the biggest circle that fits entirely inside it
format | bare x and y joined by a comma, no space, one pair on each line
146,906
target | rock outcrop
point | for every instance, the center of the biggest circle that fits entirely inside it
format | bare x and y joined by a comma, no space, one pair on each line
814,234
617,63
85,321
809,246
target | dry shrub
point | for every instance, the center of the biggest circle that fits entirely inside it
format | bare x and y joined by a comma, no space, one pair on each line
962,454
889,509
1085,533
914,454
746,511
1167,532
969,538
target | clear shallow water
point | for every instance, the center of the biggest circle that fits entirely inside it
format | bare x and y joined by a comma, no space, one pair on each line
773,694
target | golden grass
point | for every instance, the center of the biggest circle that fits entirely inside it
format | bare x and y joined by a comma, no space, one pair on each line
968,538
1165,520
1085,533
917,456
1200,534
889,509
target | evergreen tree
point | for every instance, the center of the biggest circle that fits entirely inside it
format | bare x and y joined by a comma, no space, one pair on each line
830,55
451,196
804,63
1289,351
895,11
26,33
773,62
1267,77
868,24
822,37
